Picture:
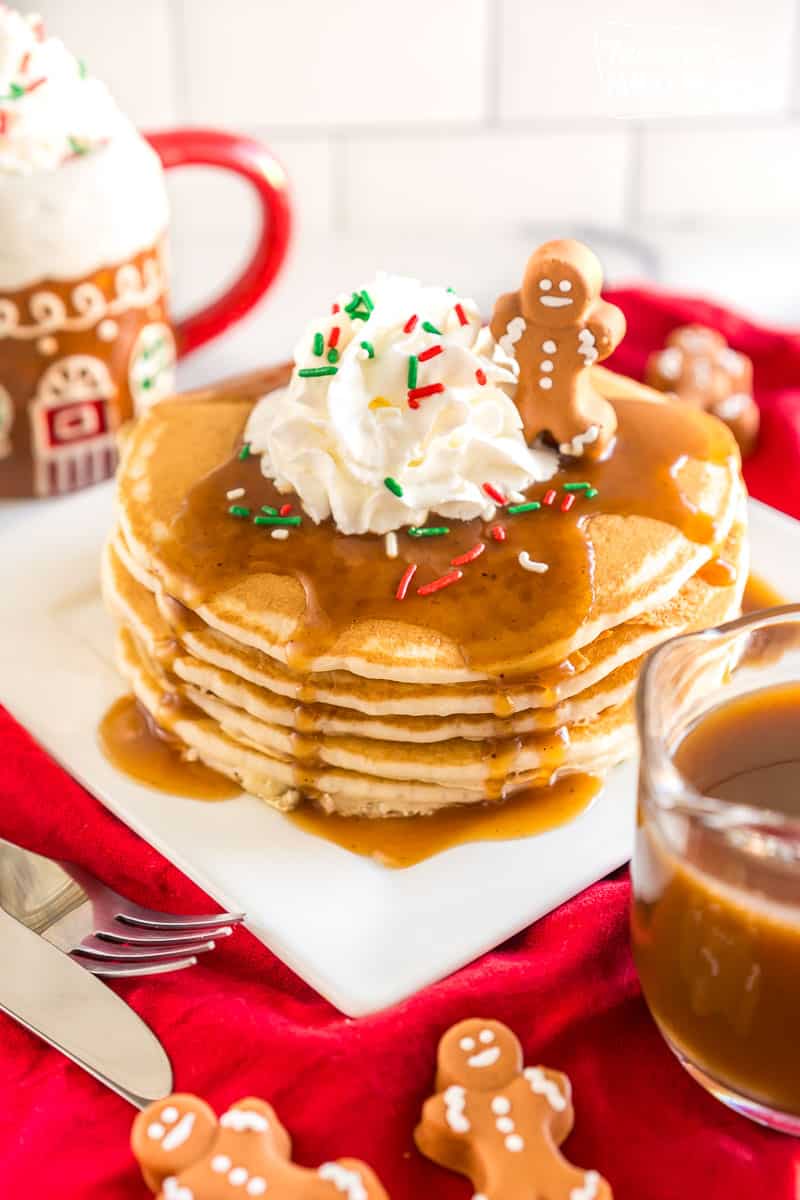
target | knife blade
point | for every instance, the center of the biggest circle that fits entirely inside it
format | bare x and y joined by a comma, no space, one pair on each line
48,993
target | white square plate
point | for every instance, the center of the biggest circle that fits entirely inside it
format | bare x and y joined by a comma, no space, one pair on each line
364,936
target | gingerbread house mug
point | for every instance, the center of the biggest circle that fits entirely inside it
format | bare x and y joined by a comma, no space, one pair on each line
86,339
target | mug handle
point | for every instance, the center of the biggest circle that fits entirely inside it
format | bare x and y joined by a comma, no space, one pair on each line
256,164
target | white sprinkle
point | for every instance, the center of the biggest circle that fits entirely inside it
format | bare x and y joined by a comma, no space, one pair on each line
516,497
235,493
514,1143
530,564
280,535
390,542
220,1163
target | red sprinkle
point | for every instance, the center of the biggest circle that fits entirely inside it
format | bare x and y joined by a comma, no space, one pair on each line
567,502
492,491
431,389
549,496
284,510
36,84
443,581
462,316
38,30
410,323
333,337
469,556
431,352
25,62
334,309
3,122
480,375
498,533
405,580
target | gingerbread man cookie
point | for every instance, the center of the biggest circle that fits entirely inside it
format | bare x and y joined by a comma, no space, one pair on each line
699,367
501,1124
186,1154
556,326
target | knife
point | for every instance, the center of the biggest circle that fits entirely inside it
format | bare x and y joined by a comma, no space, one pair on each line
56,999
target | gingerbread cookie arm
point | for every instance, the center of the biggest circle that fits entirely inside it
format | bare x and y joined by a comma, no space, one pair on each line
170,1135
436,1138
607,325
506,310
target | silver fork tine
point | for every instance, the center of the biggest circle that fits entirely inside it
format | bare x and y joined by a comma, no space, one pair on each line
136,935
147,918
109,970
94,947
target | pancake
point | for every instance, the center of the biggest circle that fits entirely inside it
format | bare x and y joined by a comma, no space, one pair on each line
278,650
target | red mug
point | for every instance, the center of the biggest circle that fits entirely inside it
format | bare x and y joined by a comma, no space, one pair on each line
86,340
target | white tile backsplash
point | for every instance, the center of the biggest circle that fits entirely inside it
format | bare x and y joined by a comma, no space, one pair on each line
721,176
345,62
449,116
126,44
488,182
625,58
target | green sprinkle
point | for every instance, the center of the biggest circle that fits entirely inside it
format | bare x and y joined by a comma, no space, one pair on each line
314,372
277,520
146,383
239,510
426,325
271,512
431,531
393,485
333,355
244,452
590,493
17,91
82,68
451,290
531,506
413,364
365,296
577,487
355,303
370,349
319,344
77,147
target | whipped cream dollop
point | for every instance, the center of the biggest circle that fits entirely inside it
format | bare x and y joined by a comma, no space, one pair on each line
400,406
51,109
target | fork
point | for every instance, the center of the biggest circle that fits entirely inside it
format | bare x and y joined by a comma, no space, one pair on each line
103,931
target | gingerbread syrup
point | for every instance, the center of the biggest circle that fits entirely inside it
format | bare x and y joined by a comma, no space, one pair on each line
716,920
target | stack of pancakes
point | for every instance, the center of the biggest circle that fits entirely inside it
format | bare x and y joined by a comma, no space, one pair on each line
289,665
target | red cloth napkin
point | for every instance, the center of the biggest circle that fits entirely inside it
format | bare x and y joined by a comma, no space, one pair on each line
241,1023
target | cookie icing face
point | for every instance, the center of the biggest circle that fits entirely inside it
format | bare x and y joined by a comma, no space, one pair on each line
556,291
476,1054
